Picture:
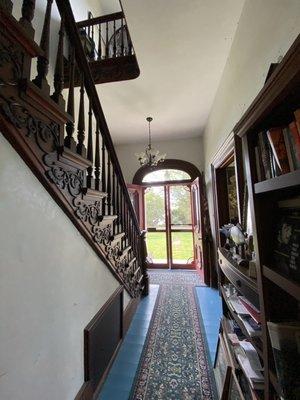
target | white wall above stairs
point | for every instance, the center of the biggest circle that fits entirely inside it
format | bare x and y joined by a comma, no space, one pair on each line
51,285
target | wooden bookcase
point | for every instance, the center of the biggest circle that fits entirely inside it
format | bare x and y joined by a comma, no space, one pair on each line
278,295
275,295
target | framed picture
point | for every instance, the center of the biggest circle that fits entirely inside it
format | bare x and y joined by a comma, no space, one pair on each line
221,365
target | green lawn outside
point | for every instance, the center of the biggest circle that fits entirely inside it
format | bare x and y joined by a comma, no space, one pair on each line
182,245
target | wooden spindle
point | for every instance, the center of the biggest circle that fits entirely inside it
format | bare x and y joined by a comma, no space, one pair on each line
97,159
99,43
106,45
113,191
118,207
28,7
90,147
81,122
130,47
59,68
108,189
122,37
43,61
103,177
115,43
69,140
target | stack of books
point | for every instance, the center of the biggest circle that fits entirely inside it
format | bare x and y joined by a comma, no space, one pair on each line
245,354
246,314
278,150
250,364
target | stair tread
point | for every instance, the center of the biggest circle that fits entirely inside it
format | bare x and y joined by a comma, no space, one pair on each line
118,236
94,193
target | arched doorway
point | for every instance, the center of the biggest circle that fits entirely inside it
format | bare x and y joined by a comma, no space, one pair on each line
167,201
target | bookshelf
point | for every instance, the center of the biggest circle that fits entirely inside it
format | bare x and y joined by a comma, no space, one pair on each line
289,286
282,182
278,290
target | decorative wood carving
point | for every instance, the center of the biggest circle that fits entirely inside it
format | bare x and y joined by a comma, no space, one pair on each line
35,122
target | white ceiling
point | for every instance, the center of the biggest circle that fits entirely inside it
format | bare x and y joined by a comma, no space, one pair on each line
181,47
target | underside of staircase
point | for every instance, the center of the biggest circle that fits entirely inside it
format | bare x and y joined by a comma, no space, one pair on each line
79,169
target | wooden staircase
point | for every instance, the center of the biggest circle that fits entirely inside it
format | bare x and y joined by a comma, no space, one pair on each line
80,171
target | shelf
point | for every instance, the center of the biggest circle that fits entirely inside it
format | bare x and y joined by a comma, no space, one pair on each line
253,340
247,286
281,182
291,287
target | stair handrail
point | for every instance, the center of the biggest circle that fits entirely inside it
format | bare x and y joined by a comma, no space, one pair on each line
71,27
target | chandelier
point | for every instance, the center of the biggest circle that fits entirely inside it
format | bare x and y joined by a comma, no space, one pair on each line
150,157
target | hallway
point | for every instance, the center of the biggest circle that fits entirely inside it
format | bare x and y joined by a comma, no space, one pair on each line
166,353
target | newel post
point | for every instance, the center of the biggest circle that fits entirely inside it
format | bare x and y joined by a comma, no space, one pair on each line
144,264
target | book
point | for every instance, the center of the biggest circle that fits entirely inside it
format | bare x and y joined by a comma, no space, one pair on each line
287,243
237,305
276,140
252,355
295,143
265,157
253,311
289,147
255,378
253,329
285,340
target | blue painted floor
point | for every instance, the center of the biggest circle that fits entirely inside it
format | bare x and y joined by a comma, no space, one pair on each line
121,376
210,305
120,379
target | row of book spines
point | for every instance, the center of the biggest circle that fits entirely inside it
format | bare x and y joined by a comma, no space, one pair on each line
278,150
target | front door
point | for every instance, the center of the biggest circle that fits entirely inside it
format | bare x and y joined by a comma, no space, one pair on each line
168,220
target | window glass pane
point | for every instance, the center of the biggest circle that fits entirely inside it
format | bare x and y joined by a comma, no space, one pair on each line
180,202
182,247
157,247
155,207
166,175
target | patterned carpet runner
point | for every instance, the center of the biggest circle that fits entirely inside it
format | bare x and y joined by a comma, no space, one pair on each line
174,363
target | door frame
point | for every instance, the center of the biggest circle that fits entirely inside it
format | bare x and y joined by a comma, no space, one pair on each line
168,221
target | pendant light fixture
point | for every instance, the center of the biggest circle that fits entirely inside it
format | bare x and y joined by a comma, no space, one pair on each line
150,157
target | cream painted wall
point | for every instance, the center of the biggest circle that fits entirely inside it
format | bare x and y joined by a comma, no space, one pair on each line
266,30
182,149
51,285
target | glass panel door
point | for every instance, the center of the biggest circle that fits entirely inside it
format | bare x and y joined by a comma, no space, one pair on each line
155,219
181,229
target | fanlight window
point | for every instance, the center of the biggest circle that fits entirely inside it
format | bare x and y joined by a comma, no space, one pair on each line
166,175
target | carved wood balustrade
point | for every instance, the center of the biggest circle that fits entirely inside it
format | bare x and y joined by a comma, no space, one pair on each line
108,48
65,142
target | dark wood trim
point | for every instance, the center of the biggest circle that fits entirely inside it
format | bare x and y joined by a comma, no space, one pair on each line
19,34
170,163
35,124
87,392
129,313
100,20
